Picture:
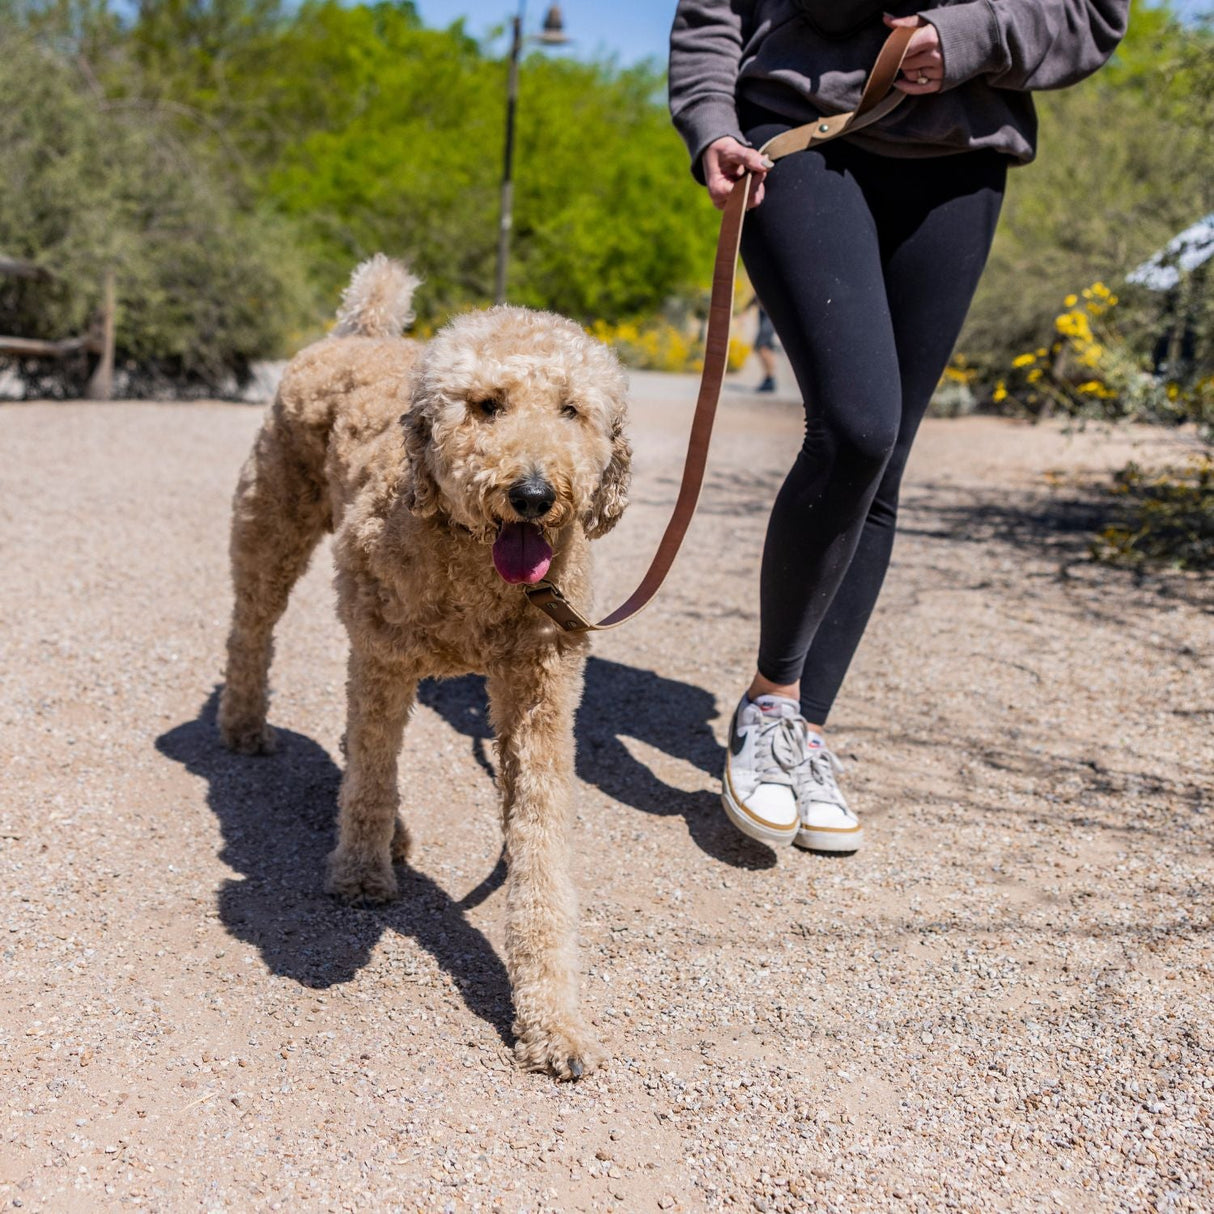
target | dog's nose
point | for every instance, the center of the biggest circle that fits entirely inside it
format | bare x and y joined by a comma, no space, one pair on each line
532,497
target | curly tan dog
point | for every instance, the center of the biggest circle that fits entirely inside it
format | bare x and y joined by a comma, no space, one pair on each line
509,458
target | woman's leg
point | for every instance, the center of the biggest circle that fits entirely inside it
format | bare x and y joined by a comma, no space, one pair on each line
812,250
937,219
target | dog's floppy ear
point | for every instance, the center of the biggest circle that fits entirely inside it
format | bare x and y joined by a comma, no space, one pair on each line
421,495
612,494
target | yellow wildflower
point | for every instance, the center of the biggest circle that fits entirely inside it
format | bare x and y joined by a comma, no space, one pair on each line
1070,301
1024,360
1000,393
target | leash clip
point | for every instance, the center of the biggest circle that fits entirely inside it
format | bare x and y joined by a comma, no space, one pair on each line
550,599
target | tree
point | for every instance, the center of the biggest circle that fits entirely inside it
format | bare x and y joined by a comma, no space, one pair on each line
1124,164
91,184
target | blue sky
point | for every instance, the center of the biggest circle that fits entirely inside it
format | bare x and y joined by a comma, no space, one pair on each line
628,29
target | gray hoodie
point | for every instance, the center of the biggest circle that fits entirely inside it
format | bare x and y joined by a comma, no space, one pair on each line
994,51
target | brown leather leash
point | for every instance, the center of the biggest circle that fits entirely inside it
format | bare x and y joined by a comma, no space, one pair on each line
877,100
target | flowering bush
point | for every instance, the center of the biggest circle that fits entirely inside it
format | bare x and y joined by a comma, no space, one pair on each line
955,394
649,345
657,345
1166,516
1090,368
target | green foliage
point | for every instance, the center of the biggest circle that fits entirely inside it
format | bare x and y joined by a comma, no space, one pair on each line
1165,517
608,224
1124,165
204,285
254,151
1093,368
370,132
376,133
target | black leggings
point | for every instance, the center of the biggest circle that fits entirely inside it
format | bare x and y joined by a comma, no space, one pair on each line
867,265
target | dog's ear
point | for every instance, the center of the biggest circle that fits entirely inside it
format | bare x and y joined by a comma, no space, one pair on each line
421,495
612,494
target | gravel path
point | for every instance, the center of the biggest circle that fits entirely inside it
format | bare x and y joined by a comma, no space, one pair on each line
1003,1003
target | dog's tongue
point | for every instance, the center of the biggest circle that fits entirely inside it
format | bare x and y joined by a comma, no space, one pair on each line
520,553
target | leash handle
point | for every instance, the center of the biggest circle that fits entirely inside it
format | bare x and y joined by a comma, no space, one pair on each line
877,100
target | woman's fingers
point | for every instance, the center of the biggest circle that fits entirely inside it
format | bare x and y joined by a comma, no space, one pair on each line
912,88
725,162
923,64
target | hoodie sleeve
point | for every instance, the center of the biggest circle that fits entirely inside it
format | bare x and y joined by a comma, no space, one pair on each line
705,50
1027,44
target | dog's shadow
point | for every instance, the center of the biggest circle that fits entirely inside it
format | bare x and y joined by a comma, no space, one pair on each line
621,702
277,815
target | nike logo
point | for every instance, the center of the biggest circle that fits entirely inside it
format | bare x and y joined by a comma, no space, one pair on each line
737,743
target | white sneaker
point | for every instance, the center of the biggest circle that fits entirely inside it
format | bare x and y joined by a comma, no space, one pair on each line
766,744
827,822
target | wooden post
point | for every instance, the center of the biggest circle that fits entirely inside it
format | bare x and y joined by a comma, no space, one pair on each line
101,383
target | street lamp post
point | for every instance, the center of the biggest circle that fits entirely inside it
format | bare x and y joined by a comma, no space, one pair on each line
553,35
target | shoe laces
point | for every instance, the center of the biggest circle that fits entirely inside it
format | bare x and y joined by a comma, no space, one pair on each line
817,777
781,748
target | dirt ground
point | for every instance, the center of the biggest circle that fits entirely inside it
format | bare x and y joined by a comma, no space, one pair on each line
1004,1002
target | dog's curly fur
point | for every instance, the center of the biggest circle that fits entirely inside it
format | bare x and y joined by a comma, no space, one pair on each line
416,501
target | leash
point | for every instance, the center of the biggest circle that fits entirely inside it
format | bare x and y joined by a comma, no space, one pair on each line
877,100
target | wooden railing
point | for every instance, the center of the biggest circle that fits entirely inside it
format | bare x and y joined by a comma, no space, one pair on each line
98,340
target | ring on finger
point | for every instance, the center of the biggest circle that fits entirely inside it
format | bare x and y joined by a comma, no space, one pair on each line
922,79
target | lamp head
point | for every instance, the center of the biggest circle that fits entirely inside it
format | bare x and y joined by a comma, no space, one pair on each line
553,33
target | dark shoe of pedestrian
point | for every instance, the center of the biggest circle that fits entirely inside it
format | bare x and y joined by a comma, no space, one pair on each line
768,385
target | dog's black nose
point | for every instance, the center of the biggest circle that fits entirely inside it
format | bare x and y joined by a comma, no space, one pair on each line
532,497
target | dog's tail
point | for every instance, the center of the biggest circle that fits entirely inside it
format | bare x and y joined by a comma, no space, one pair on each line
379,300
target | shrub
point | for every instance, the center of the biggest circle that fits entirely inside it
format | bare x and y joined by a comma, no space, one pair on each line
92,183
1166,516
1091,367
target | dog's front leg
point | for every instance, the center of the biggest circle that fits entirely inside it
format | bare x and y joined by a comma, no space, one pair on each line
369,833
533,710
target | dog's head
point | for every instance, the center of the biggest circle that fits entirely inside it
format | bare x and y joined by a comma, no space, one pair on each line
515,430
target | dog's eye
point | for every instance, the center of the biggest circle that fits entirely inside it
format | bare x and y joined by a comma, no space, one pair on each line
488,406
569,411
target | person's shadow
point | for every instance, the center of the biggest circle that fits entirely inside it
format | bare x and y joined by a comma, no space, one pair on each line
277,815
625,702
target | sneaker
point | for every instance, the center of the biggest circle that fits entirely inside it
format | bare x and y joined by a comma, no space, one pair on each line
826,821
766,744
768,385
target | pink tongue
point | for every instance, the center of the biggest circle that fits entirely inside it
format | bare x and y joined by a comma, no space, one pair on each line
520,553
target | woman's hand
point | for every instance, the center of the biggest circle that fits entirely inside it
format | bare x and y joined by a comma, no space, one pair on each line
726,161
923,67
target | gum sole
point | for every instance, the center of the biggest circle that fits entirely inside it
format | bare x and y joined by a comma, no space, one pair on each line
835,842
771,835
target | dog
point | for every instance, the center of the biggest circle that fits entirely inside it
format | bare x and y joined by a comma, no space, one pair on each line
453,474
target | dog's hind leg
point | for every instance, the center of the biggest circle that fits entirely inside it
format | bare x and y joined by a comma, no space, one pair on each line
279,513
532,707
370,835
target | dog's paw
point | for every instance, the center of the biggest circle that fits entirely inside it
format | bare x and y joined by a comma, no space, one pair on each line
568,1051
248,737
359,880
